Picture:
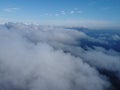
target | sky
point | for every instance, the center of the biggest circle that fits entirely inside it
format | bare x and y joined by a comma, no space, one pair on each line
87,13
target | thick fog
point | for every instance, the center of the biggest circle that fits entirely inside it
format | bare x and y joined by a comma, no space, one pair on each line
34,57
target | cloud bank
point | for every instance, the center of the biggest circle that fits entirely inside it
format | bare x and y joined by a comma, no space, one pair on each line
34,57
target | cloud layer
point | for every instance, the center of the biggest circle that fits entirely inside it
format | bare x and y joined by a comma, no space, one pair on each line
34,57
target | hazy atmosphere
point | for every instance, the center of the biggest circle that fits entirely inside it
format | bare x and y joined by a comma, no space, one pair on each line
59,45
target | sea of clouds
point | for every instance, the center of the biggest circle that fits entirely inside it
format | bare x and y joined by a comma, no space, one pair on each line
34,57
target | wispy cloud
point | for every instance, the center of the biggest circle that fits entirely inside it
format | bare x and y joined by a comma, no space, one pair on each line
75,8
106,8
79,12
56,14
72,12
63,12
11,9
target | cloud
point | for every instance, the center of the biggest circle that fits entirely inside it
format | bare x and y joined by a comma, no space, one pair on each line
103,60
33,57
56,14
11,9
72,12
3,20
75,8
79,12
63,12
106,8
116,37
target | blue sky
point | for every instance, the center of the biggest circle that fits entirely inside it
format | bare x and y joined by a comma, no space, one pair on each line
90,13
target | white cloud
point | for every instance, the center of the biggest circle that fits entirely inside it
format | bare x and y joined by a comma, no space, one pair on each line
72,12
75,8
116,37
106,8
56,14
29,60
3,20
102,60
11,9
46,14
79,12
63,12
